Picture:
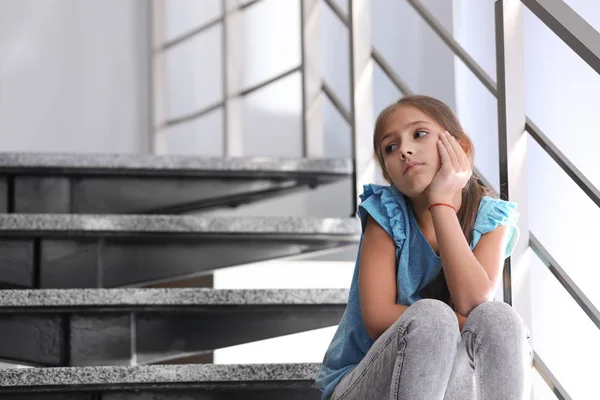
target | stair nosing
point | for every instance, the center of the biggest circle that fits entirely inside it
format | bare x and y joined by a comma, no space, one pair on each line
115,223
156,374
33,299
164,164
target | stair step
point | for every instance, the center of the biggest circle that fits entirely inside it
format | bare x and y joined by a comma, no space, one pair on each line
163,382
111,183
77,300
90,251
64,327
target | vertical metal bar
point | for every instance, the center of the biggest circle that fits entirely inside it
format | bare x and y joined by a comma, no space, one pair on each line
513,146
159,84
224,86
132,339
312,96
361,92
233,57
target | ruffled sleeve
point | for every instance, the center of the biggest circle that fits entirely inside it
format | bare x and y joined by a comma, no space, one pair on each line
493,213
387,207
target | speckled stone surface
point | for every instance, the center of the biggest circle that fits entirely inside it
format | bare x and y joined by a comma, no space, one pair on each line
123,163
155,374
17,298
106,224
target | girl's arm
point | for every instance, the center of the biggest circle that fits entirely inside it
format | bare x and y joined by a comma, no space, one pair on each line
472,276
377,280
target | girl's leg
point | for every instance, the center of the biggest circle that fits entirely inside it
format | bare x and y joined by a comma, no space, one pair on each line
495,358
412,360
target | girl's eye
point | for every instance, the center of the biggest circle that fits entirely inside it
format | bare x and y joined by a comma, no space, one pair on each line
420,133
390,147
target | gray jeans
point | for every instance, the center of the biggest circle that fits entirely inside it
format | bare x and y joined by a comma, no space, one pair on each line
424,356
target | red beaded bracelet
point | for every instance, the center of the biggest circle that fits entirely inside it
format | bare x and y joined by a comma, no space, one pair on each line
442,204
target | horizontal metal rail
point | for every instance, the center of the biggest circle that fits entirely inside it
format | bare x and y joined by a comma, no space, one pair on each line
215,106
563,162
575,31
188,35
375,54
337,102
456,48
558,390
196,31
271,80
571,287
338,12
249,4
194,115
389,71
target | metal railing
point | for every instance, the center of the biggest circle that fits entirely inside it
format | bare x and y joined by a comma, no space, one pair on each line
509,90
585,41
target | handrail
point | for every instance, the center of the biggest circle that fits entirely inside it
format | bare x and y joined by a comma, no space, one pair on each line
337,103
575,31
389,71
558,389
567,166
338,12
194,115
188,35
456,48
260,85
248,4
196,31
576,293
214,106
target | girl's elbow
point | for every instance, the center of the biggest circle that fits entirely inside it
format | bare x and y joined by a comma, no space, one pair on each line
465,307
374,327
373,333
464,310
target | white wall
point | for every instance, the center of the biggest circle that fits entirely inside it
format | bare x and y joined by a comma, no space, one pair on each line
74,76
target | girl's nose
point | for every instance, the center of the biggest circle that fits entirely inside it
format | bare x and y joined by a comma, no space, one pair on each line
405,153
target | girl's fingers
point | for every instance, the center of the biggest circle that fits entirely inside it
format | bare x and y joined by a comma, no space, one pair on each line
444,156
460,153
447,138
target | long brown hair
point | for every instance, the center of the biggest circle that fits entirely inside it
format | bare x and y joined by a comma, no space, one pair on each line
473,191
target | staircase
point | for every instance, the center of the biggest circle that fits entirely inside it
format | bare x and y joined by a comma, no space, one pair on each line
106,260
96,256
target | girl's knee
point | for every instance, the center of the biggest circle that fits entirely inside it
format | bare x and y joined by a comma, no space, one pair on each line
428,324
433,313
498,317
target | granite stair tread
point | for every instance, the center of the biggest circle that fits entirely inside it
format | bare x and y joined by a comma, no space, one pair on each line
32,300
91,327
108,251
124,164
107,224
154,374
37,183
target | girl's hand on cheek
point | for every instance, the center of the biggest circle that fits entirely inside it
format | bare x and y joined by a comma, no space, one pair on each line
454,173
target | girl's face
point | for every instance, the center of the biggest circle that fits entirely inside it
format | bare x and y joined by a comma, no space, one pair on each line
409,149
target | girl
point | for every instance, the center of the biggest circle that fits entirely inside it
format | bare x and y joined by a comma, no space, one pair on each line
421,322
